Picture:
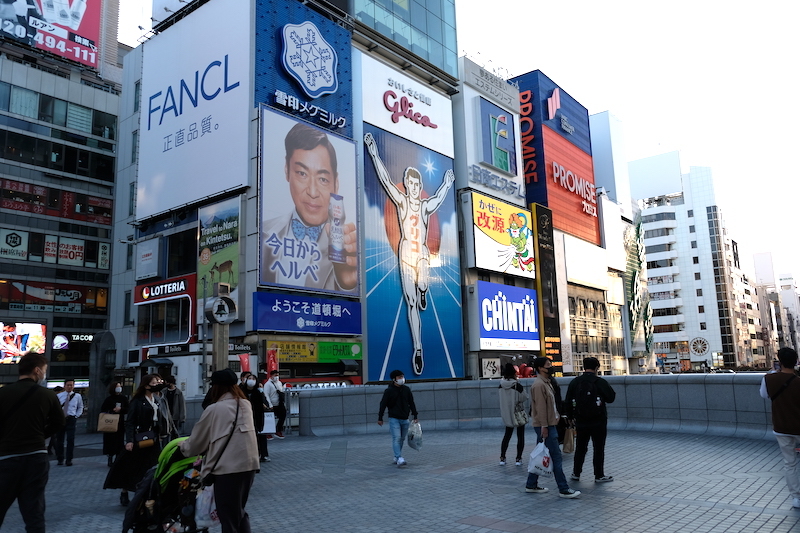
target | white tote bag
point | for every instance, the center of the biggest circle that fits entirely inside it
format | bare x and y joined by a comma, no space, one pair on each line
269,422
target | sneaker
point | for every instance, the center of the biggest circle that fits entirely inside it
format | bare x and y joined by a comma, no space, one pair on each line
575,477
401,462
569,493
796,503
270,437
604,479
502,461
518,462
537,489
267,460
394,461
279,435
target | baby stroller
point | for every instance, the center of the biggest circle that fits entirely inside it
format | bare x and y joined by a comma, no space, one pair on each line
165,498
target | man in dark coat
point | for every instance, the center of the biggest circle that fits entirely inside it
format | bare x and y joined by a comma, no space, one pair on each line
398,399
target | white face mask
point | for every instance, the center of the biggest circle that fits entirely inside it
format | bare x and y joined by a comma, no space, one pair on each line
274,379
118,390
400,381
44,378
251,383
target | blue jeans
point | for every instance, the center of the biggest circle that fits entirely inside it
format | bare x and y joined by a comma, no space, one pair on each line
399,429
555,454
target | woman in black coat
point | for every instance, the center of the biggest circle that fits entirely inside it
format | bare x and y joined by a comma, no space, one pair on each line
143,415
117,403
258,401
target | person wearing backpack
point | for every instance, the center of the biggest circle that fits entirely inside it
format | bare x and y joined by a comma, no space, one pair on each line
587,396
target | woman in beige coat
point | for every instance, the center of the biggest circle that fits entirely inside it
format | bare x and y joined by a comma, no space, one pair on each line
232,461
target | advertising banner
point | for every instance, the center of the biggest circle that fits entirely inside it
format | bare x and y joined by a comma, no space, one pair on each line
196,102
412,260
67,29
308,211
70,251
148,259
17,338
546,284
13,244
507,317
305,351
218,249
502,236
298,312
400,104
166,289
303,65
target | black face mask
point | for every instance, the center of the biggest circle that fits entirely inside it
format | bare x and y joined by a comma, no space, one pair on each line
158,388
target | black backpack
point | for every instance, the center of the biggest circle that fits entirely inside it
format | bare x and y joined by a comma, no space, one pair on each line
587,403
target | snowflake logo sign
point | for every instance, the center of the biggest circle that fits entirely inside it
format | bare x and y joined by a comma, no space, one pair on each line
310,59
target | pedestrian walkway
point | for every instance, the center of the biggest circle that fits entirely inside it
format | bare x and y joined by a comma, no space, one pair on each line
663,482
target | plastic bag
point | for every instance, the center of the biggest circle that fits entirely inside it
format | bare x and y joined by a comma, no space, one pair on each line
540,462
205,508
415,436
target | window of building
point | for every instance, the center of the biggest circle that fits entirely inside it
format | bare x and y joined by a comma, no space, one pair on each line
5,96
137,95
104,125
662,263
24,102
657,248
132,199
699,292
691,229
696,260
161,322
134,146
690,213
702,325
660,232
79,117
697,275
694,244
181,253
129,257
657,217
127,312
701,309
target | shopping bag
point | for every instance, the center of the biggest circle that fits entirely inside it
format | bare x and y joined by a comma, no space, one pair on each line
269,422
540,462
415,436
205,508
108,423
569,439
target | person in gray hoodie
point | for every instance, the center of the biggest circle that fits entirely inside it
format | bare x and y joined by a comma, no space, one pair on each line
510,394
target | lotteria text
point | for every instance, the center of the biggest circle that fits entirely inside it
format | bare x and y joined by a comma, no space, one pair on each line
164,289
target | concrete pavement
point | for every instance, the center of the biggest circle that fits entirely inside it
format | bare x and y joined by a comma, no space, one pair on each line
664,482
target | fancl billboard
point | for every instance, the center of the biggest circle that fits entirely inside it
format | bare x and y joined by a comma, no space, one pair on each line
196,103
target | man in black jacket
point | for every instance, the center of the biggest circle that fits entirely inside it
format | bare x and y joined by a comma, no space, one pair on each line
28,415
398,399
586,401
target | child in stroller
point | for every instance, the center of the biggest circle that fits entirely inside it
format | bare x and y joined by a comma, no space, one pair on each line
165,498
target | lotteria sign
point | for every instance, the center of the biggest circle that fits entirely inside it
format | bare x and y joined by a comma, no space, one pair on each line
166,289
508,317
406,106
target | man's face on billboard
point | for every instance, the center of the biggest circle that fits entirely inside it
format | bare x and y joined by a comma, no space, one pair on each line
414,186
311,182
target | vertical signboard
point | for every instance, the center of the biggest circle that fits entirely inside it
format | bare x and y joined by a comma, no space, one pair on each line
308,214
218,249
412,280
196,102
546,282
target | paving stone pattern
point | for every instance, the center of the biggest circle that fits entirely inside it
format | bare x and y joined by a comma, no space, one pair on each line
664,482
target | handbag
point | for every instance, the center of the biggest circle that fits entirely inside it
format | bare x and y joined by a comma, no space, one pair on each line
108,423
144,439
569,439
520,416
540,462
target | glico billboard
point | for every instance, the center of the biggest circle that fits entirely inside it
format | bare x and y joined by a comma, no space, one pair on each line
557,156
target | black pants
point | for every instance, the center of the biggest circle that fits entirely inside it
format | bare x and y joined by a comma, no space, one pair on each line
507,439
24,479
280,417
230,495
263,447
68,434
597,433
